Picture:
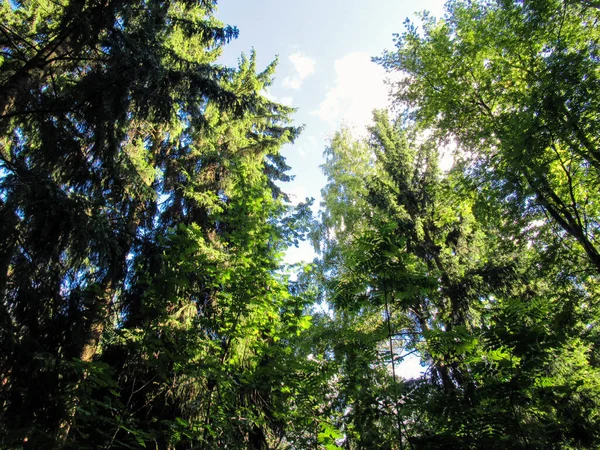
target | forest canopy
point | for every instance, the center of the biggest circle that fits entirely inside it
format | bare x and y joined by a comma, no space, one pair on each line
145,299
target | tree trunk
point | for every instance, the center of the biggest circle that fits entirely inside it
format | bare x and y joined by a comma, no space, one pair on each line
100,314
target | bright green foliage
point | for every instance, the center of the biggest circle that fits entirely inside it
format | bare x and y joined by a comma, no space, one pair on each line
439,268
344,195
516,84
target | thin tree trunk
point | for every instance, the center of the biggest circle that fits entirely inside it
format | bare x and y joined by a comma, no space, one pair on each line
97,324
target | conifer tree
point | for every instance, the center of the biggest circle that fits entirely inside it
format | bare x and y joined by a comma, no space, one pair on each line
141,228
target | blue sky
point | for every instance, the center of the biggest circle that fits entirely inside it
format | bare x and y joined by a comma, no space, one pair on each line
324,49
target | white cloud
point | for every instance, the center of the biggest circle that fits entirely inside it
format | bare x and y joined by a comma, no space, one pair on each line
359,88
286,100
304,66
292,83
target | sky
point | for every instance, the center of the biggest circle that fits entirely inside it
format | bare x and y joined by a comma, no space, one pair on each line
324,49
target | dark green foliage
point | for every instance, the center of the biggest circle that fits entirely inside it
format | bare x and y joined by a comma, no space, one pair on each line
141,231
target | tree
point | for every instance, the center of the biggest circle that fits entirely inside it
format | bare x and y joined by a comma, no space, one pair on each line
143,301
437,267
141,228
515,83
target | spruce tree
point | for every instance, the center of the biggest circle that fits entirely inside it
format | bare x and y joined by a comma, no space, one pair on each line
141,226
